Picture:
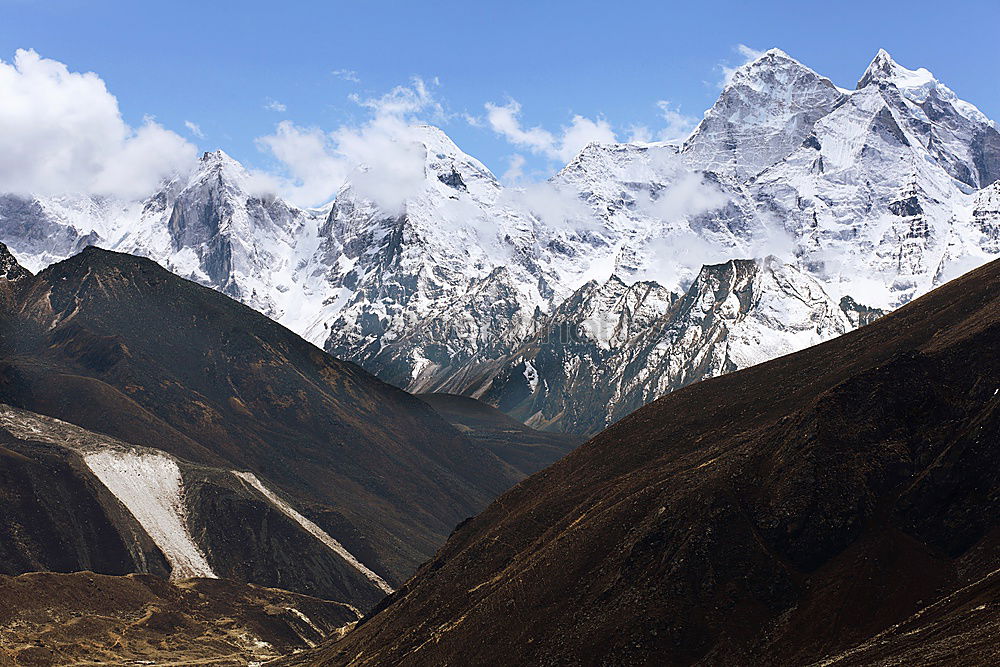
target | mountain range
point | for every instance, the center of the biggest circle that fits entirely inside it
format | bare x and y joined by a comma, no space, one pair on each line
630,256
233,429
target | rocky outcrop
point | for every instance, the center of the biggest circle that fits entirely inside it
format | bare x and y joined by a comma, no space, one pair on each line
612,348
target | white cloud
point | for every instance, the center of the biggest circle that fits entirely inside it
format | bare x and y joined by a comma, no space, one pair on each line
554,206
384,157
583,131
687,196
515,170
404,100
678,126
505,120
640,134
63,133
390,159
347,75
474,121
194,129
748,54
275,105
313,172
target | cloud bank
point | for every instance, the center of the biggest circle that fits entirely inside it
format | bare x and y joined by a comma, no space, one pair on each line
63,133
505,120
383,157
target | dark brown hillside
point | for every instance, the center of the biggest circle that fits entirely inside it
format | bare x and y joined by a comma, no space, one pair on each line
777,515
52,517
118,345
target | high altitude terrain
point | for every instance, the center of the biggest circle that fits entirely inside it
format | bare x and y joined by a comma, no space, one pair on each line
152,425
834,506
614,272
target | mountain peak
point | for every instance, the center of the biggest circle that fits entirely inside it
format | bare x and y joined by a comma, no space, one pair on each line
219,164
883,57
216,156
434,136
219,159
884,69
777,53
763,66
766,110
774,56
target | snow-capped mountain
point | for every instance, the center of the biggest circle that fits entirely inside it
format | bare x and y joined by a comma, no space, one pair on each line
218,231
877,197
211,227
425,291
866,198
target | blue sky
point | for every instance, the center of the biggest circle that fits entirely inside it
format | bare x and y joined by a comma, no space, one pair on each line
220,65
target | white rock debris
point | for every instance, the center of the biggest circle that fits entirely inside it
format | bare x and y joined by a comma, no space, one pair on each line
531,375
313,529
150,487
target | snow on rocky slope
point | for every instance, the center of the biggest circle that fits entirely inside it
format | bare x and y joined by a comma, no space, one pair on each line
213,228
611,348
878,195
869,197
312,529
146,482
768,108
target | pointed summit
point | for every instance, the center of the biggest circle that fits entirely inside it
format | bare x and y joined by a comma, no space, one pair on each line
884,69
766,110
219,159
773,57
764,66
880,69
777,53
435,139
217,169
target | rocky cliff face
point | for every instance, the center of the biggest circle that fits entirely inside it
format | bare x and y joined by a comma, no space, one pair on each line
765,112
623,346
450,281
878,195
